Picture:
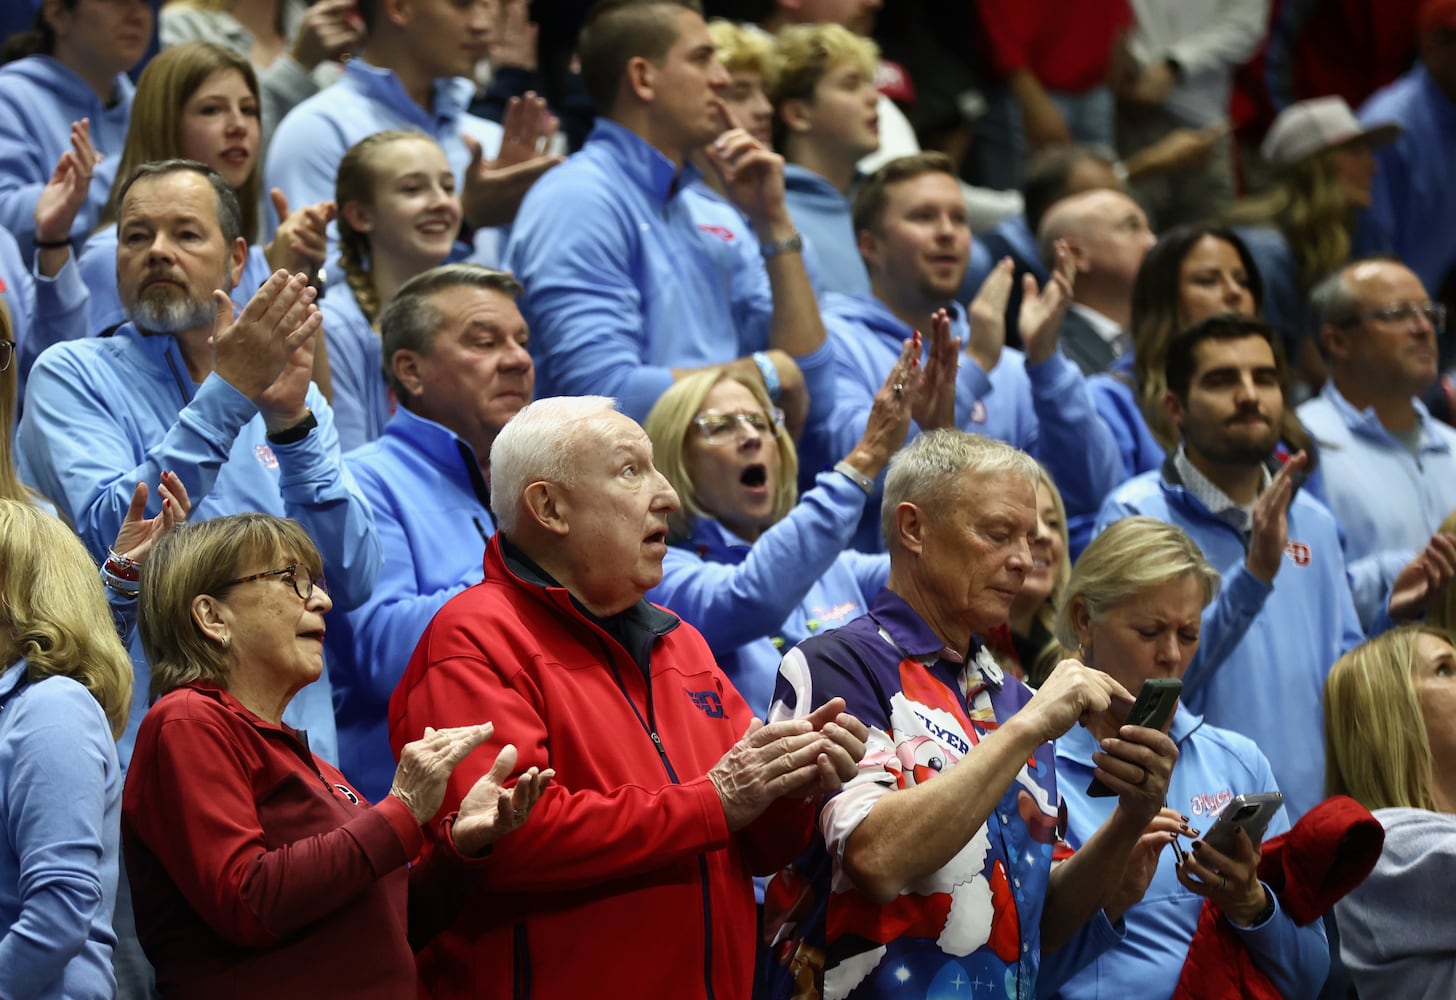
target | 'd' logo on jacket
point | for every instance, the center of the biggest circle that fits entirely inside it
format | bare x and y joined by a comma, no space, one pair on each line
709,702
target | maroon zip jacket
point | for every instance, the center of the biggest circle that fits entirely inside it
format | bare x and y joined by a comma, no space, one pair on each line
625,880
255,868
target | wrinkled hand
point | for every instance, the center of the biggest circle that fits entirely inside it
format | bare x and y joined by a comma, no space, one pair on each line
1269,526
770,762
988,316
1232,883
425,766
64,195
1072,693
847,733
301,242
1424,577
138,534
1137,764
330,30
514,42
752,174
490,810
1142,862
1042,310
267,352
494,188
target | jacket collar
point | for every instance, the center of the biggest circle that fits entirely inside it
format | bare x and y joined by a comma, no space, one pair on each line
162,354
449,100
1367,425
641,161
865,308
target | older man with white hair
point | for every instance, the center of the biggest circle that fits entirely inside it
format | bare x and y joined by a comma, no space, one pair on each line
668,795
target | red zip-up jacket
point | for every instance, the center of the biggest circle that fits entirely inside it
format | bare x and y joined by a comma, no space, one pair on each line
256,870
625,880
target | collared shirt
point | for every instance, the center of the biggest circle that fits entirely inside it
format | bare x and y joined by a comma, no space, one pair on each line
1219,503
978,918
1109,330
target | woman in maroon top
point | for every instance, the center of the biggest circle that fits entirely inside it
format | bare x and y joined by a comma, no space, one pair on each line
254,865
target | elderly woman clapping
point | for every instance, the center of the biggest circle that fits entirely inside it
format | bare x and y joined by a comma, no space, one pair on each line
254,865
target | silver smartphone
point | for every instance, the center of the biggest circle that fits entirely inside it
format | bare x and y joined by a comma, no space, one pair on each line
1250,813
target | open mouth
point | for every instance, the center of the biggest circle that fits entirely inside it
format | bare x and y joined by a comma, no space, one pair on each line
317,634
437,227
656,538
754,477
236,155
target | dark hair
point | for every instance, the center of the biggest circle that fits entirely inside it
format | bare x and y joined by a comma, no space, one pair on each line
1049,176
411,321
615,33
1181,363
870,199
229,213
40,40
368,13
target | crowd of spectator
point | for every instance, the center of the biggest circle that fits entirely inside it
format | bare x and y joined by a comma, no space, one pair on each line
675,498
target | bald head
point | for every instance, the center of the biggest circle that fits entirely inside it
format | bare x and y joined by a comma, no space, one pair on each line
1107,234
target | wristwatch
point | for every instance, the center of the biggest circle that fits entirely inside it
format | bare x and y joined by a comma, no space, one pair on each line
792,244
296,433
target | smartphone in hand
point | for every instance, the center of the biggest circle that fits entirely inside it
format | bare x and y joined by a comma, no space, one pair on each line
1154,706
1250,813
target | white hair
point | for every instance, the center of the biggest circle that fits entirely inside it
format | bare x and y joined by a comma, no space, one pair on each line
539,443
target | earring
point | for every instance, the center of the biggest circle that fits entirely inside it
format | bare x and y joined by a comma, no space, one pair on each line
225,641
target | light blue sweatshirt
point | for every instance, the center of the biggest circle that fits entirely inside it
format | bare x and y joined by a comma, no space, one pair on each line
822,216
361,397
1214,765
106,413
1045,410
737,594
431,509
39,99
43,311
60,826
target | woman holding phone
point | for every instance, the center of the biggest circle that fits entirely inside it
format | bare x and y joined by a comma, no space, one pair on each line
1133,608
1390,743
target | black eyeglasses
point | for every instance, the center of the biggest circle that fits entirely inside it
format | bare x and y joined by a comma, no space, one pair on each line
301,579
1404,313
718,426
7,354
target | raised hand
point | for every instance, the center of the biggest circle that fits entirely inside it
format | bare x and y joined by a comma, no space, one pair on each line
988,316
267,352
330,29
1433,569
494,188
1269,528
1072,693
490,810
64,195
138,534
301,242
933,404
752,174
515,43
1042,310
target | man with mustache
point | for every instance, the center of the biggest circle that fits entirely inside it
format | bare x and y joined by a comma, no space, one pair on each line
1285,612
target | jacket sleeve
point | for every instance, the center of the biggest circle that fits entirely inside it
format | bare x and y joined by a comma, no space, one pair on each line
1076,447
60,313
735,603
78,454
23,172
575,838
1225,622
58,763
200,819
387,626
573,257
1228,42
320,493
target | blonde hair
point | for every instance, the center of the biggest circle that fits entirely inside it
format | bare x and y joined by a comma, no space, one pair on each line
1129,558
1308,206
1046,616
201,558
52,599
741,50
667,426
355,182
929,471
1377,749
11,488
804,54
155,132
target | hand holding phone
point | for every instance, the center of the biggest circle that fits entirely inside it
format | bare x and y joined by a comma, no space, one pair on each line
1250,813
1153,708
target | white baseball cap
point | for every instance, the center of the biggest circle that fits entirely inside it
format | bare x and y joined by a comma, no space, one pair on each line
1309,127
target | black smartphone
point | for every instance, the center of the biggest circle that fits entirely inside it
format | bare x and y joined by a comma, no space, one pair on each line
1154,705
1250,813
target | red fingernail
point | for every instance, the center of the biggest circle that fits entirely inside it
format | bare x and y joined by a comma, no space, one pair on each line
166,503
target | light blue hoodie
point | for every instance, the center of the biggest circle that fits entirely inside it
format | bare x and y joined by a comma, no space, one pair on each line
39,99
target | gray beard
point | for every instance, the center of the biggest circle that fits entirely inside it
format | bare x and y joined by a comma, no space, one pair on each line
171,315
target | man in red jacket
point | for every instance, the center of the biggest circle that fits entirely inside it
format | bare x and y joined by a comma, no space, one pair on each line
632,876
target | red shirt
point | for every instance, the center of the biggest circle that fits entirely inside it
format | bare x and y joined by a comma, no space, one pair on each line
255,868
1064,43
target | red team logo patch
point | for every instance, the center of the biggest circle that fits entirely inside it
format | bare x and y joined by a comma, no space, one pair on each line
1299,552
722,232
